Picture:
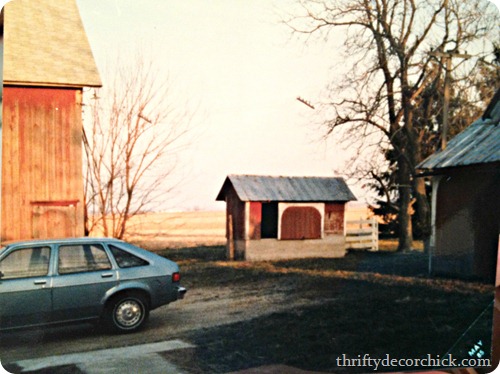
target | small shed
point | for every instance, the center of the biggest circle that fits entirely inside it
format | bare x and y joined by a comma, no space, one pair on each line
47,62
271,218
466,200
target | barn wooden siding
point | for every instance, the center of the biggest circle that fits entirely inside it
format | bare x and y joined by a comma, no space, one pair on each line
255,231
467,198
42,189
334,218
235,217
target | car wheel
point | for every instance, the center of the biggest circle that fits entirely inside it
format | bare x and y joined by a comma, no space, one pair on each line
126,313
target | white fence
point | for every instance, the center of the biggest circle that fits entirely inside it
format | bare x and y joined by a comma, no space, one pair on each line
362,234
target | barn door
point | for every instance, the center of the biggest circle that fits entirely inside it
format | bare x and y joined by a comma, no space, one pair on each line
300,223
53,219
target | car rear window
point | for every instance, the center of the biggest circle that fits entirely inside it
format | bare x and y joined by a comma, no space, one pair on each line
82,258
126,259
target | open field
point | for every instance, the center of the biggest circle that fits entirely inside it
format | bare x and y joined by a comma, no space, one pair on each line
155,231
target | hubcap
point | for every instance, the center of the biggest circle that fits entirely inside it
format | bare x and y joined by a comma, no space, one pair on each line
128,313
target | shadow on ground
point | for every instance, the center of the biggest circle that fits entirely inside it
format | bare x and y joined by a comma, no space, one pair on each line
373,303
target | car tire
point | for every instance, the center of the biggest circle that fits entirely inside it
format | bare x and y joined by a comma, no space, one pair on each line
126,313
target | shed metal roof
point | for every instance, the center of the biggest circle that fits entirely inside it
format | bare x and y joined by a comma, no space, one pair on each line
477,144
292,189
45,45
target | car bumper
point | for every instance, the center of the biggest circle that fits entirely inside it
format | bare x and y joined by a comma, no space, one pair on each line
181,291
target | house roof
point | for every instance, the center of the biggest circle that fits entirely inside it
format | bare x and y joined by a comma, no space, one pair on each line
292,189
477,144
45,45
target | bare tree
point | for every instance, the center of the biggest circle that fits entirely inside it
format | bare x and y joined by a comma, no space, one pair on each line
397,51
134,130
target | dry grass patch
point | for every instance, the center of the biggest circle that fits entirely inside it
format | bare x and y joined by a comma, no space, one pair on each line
157,231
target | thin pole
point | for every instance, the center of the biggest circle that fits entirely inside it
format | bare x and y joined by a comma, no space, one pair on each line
446,104
447,56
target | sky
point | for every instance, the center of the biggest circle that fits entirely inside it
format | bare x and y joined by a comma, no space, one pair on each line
240,68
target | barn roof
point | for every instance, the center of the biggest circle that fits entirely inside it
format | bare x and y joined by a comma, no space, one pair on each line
292,189
45,45
477,144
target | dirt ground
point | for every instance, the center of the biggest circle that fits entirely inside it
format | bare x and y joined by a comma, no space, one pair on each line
302,313
309,313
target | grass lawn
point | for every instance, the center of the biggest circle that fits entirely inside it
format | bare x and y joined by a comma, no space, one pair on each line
364,303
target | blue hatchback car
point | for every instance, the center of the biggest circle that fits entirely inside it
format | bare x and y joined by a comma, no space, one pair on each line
74,280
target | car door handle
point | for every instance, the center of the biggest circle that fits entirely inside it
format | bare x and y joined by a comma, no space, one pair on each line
40,281
106,275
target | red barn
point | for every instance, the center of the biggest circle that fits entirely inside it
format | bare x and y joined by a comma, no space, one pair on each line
47,62
272,218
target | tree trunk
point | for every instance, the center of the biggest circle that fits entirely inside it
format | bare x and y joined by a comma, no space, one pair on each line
423,218
405,205
405,227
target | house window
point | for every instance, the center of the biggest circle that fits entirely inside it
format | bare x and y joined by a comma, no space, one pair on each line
300,223
269,224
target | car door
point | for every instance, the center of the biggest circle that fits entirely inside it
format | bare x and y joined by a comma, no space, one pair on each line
84,275
25,287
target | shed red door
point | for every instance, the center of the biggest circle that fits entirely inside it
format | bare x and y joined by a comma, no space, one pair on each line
301,223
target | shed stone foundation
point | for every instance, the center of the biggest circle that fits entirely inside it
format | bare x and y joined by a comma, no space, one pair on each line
274,249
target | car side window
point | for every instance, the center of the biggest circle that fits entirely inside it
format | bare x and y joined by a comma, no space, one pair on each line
125,259
25,263
82,258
